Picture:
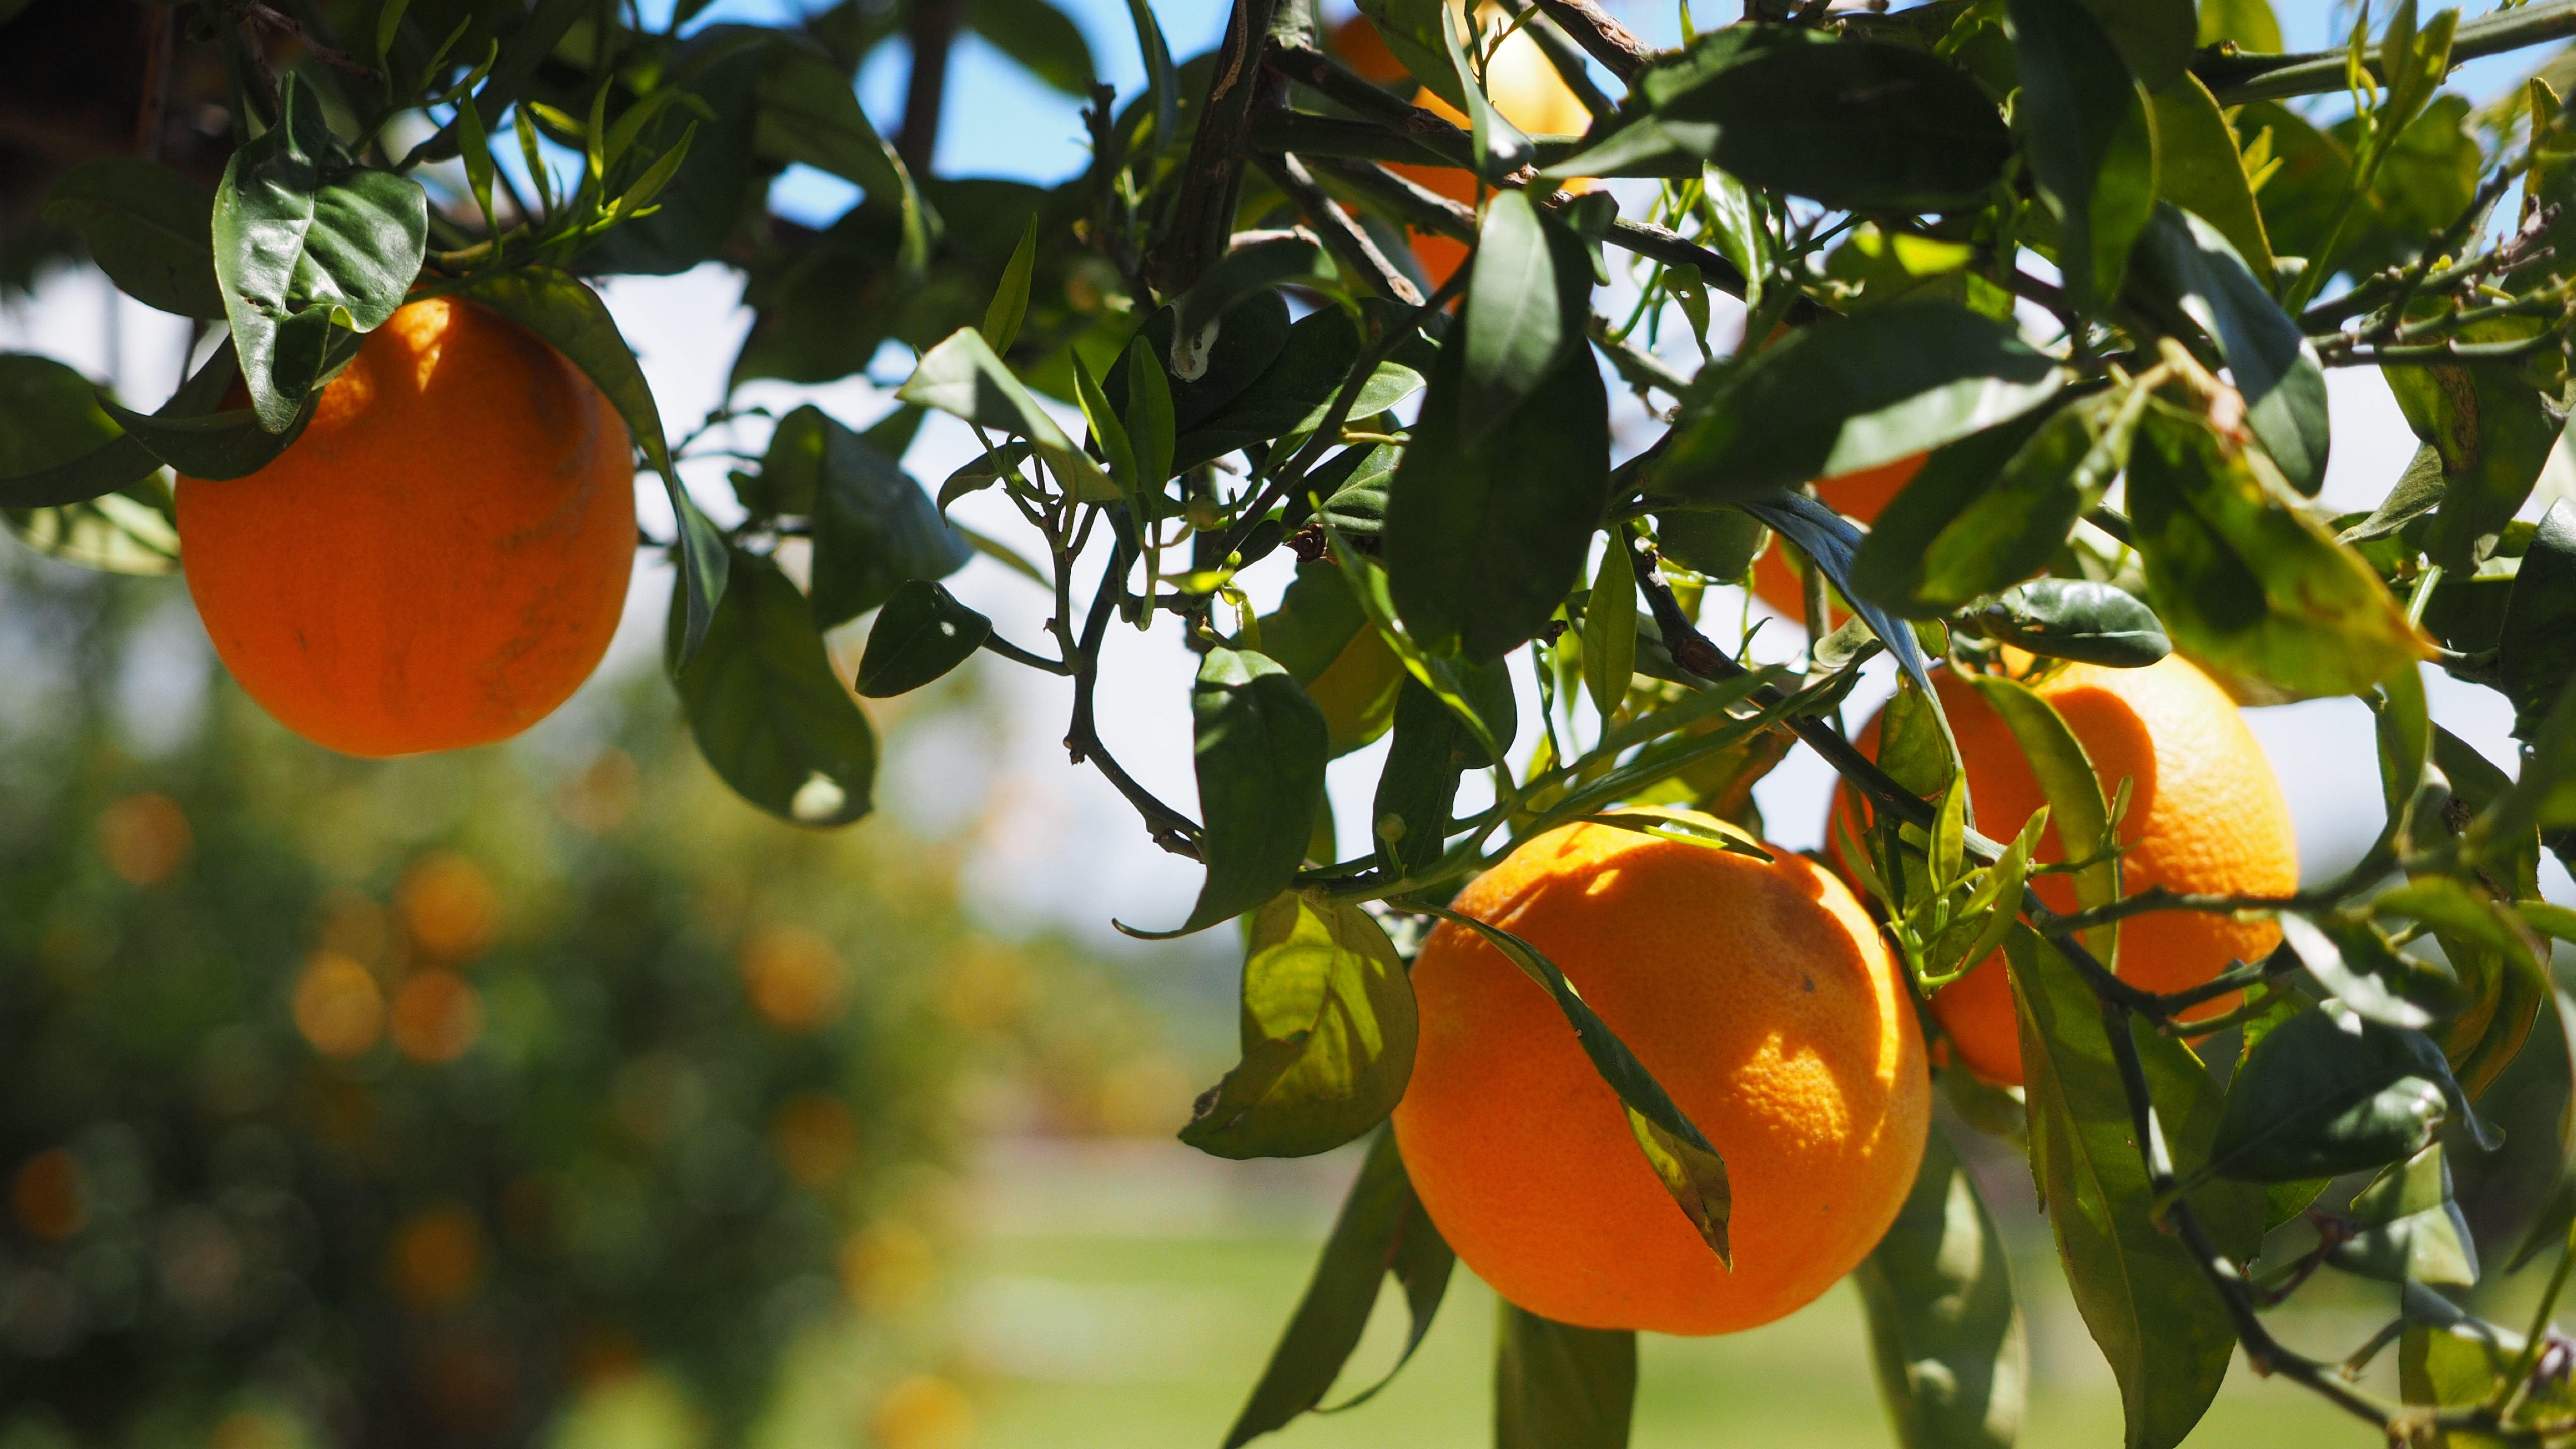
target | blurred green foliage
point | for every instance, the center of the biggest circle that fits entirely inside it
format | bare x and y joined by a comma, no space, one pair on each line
402,1103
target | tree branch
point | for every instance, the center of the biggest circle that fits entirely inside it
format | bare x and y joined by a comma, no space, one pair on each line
1611,43
931,31
2236,77
1352,246
1171,829
1212,177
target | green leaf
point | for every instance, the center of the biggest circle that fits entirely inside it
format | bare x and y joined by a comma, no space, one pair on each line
1561,1387
1857,124
1148,416
920,634
2549,1228
217,447
1528,301
1010,304
2328,1093
874,528
1249,340
2200,169
2410,1226
2363,972
1042,39
1409,814
2090,138
2184,260
1381,1231
1484,537
575,322
1321,636
2077,809
1829,541
1500,147
809,113
1328,1029
2536,652
1853,394
1415,34
1993,508
1683,1160
2494,435
766,708
2081,619
148,227
2247,582
52,425
2163,1328
962,376
1610,628
1260,753
1292,394
1721,543
2250,24
1945,1334
304,236
2155,37
1162,82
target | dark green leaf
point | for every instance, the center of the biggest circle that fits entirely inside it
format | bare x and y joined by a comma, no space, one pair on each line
1289,396
2200,169
2410,1226
2328,1093
214,446
1857,124
2184,260
2549,1228
1500,147
1162,84
1328,1030
1721,543
1148,416
2163,1328
302,236
51,426
2097,623
1610,628
920,634
1041,38
1484,538
962,376
1409,815
1944,1332
2247,582
1561,1387
1413,31
1010,304
1212,306
2494,436
1528,301
2362,971
1852,394
768,712
1251,338
148,227
1261,748
2089,135
723,178
874,528
1321,636
572,319
1992,508
808,112
2155,37
1829,541
2536,652
1381,1231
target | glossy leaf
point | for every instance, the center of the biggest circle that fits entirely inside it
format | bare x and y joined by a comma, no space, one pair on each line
1853,394
2411,1229
1148,417
1528,300
2078,809
2200,169
575,322
2081,619
1251,339
1292,394
1610,628
148,227
963,377
1202,315
217,446
1945,1333
1381,1231
1683,1159
1484,537
1328,1030
1260,752
304,239
2088,135
1721,543
2363,972
2184,260
2536,651
1829,541
2247,582
2328,1093
2493,434
1010,304
1992,509
874,528
2162,1327
1162,81
920,634
1042,39
1557,1386
768,712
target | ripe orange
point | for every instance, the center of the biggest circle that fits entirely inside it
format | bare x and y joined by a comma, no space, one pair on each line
1763,1000
2205,814
1859,496
440,559
1524,86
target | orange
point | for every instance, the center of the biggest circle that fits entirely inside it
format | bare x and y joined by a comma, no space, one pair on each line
1759,995
1858,496
1523,85
440,559
2205,814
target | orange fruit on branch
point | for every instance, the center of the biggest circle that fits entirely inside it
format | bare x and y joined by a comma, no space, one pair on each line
2205,814
1759,995
440,559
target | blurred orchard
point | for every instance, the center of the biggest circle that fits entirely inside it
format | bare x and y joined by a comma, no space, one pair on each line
468,1099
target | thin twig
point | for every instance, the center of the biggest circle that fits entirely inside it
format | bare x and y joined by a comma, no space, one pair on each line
1171,829
1351,244
1609,42
2236,77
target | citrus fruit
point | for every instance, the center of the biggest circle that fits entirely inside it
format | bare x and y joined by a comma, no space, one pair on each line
2205,814
1522,83
1760,996
1858,496
442,556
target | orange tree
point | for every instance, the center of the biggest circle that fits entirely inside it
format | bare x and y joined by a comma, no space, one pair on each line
2075,256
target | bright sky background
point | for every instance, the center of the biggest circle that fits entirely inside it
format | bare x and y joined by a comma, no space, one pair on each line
1049,845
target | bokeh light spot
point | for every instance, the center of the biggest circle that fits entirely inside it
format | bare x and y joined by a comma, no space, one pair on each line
144,837
436,1259
923,1411
338,1006
50,1196
816,1139
794,977
448,905
437,1015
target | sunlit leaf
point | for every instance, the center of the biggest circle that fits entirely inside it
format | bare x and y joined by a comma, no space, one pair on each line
1945,1333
